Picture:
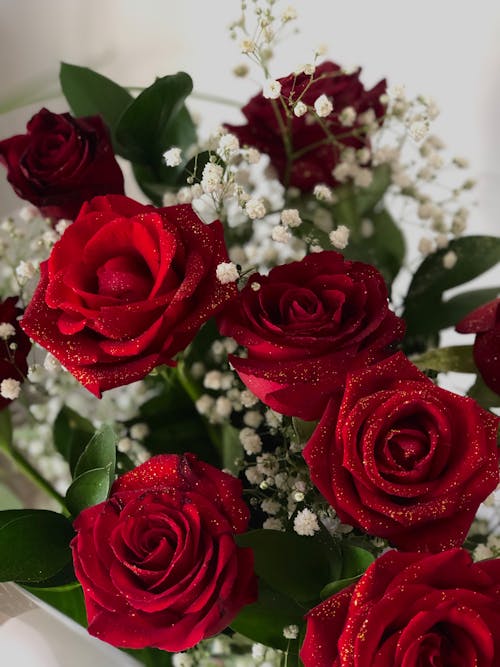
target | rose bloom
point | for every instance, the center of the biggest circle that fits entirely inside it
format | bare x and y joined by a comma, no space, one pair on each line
158,562
412,610
485,323
13,364
305,325
404,459
317,157
126,288
61,162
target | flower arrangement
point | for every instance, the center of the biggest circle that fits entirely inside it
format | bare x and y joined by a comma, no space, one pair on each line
234,393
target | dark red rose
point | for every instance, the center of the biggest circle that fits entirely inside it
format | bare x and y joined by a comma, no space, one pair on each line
485,323
13,364
411,610
315,154
158,562
305,325
61,162
126,288
404,459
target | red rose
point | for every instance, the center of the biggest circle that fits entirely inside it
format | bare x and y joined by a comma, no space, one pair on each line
61,162
404,459
305,325
485,323
126,288
411,610
13,364
314,153
158,562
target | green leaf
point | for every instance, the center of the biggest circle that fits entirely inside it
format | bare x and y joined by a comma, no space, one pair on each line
337,586
5,430
283,560
34,544
456,308
231,447
151,657
147,126
71,435
99,453
264,620
67,599
8,499
475,255
457,358
303,430
89,93
483,395
355,560
90,488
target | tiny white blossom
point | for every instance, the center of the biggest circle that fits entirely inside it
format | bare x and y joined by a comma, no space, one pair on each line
347,116
425,246
252,418
228,145
363,178
323,193
62,225
248,399
51,364
291,632
28,213
25,270
289,14
461,162
125,444
10,388
309,69
323,106
273,419
253,475
139,431
482,552
173,157
442,241
223,407
299,109
290,217
306,523
251,441
425,210
272,524
418,130
270,506
7,330
247,46
35,373
340,237
227,272
272,89
280,234
449,259
213,380
342,171
185,195
252,155
255,209
169,199
363,155
255,286
211,177
204,404
258,651
367,228
182,660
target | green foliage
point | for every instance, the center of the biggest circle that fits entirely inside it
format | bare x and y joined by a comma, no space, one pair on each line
94,472
5,430
34,544
457,358
67,599
151,657
424,303
71,435
355,561
483,395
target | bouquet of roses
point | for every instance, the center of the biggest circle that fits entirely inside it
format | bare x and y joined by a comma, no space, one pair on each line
233,394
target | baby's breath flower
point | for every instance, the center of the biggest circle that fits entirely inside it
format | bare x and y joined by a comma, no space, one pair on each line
211,177
272,89
240,70
51,364
10,389
252,155
139,431
363,178
182,660
173,157
280,234
255,209
461,162
25,270
223,407
425,246
212,380
482,552
290,217
323,106
289,14
340,237
227,272
29,213
169,199
7,330
309,69
228,145
205,404
253,475
248,399
306,523
272,524
323,193
291,632
449,259
270,506
347,116
250,439
418,130
252,418
299,109
247,46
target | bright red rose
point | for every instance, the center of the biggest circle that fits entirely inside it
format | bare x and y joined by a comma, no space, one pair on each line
404,459
126,288
305,325
411,610
13,364
316,154
158,562
485,323
61,162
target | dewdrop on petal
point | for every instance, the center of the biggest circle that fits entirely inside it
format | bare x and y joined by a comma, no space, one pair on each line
449,259
299,109
10,389
306,523
227,272
173,157
272,89
290,217
7,330
340,237
323,106
255,209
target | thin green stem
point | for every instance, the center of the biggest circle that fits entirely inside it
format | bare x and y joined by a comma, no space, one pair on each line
31,473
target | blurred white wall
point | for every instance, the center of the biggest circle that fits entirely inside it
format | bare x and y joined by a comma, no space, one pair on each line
446,49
